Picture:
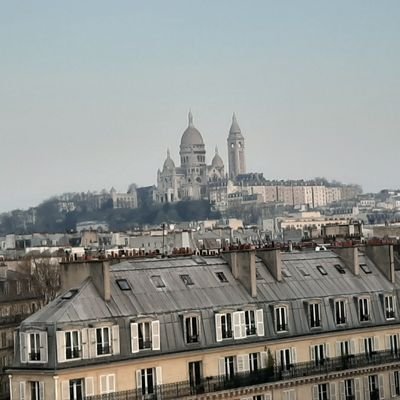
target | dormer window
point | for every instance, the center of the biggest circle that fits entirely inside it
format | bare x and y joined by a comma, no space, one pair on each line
314,310
321,270
145,335
364,309
33,347
340,312
281,318
221,276
191,329
389,307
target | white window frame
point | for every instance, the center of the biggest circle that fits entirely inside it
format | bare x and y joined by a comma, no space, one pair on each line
394,379
74,346
315,353
107,384
154,334
223,319
364,309
314,310
281,318
142,376
389,305
340,312
38,390
191,329
39,347
103,343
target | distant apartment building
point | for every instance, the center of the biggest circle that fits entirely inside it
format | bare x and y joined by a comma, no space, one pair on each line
259,325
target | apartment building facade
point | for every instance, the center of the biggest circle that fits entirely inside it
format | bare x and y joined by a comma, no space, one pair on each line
256,324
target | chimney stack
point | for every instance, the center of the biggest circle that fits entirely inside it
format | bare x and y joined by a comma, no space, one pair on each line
383,257
272,260
349,255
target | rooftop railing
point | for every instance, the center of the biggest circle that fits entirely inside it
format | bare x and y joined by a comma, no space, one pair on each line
261,376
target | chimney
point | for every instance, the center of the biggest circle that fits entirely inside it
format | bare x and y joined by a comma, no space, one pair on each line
349,256
243,267
73,274
383,257
272,260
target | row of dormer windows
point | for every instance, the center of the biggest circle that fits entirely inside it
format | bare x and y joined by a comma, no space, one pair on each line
145,335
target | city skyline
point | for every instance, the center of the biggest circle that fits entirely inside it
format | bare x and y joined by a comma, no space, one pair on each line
94,98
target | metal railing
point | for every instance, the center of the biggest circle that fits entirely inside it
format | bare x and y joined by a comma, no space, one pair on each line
261,376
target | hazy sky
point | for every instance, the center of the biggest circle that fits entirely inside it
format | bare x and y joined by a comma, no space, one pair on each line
92,93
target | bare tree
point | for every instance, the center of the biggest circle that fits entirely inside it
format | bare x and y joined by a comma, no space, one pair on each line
45,275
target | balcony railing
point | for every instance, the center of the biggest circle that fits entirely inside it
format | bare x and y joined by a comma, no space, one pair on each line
262,376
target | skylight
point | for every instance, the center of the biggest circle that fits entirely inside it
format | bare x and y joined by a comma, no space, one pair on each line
123,284
157,280
365,268
70,294
322,270
286,273
187,280
340,269
303,271
221,276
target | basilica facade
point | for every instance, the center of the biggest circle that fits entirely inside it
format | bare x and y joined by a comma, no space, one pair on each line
193,178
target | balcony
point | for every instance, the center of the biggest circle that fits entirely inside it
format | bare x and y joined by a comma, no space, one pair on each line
262,376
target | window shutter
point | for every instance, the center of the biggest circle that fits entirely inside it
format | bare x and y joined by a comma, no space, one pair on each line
342,390
23,347
134,337
293,355
138,379
103,384
242,319
315,395
268,396
159,380
240,362
357,388
312,353
392,384
41,388
218,328
353,346
292,395
111,383
65,389
381,387
387,342
338,349
260,322
246,363
92,342
155,331
376,343
85,343
366,387
221,367
236,325
22,389
60,336
115,339
327,350
263,359
278,357
43,347
89,386
332,391
362,346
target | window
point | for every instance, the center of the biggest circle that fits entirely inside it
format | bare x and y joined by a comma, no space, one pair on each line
322,270
395,383
147,380
227,367
250,322
195,376
70,294
187,280
303,271
103,341
37,390
107,384
221,276
286,273
349,389
374,388
281,320
286,358
321,392
369,346
345,348
76,389
319,353
365,268
157,281
340,312
33,347
389,307
363,309
289,394
393,344
254,361
315,315
72,345
145,336
340,269
191,329
123,284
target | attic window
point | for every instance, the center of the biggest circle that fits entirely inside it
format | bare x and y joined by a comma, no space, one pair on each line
286,273
304,272
221,276
322,270
365,268
70,294
157,280
123,284
187,280
340,269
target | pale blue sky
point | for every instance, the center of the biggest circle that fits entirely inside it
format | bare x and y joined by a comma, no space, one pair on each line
93,92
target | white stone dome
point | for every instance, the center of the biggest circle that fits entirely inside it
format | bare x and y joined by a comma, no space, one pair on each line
191,136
